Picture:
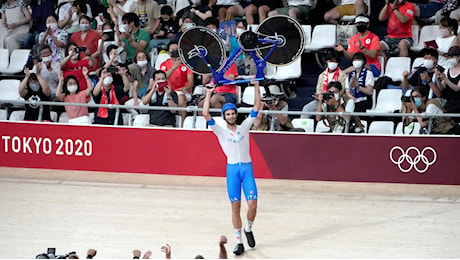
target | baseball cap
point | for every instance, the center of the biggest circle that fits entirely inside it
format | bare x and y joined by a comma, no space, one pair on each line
361,19
454,51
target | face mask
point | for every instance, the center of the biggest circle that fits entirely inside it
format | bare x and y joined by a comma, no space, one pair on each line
336,96
35,87
332,65
240,31
75,57
46,59
444,32
72,88
452,62
53,26
124,28
84,27
417,101
142,63
107,81
361,28
214,30
357,64
429,64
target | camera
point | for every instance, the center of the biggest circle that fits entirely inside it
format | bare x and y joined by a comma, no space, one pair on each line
440,68
327,96
269,100
406,99
82,49
112,69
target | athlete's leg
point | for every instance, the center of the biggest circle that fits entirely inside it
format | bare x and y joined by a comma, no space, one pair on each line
250,192
234,194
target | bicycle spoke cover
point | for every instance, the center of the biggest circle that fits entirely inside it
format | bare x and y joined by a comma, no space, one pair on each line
201,40
290,34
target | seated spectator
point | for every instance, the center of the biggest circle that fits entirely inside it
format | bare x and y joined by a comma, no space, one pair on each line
200,10
400,15
72,64
34,88
334,101
448,29
346,7
296,9
180,78
55,38
89,38
233,44
143,78
49,69
106,93
427,10
133,38
227,9
70,13
69,91
366,42
447,82
165,28
332,73
260,8
275,122
147,11
16,19
40,10
188,21
419,103
160,94
422,76
360,84
118,8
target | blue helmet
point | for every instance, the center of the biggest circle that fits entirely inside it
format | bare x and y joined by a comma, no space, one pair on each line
228,106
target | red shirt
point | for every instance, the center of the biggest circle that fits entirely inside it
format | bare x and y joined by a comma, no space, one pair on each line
91,42
75,69
178,78
74,111
229,88
370,42
395,28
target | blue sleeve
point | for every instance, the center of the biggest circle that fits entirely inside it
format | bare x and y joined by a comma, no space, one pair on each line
254,113
211,122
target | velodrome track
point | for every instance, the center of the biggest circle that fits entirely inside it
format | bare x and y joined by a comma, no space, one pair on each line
118,212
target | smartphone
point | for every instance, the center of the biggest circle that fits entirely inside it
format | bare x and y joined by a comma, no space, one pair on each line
440,68
51,250
189,25
161,85
431,44
110,35
112,69
82,49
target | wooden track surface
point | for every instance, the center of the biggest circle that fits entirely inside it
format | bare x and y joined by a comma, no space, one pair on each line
118,212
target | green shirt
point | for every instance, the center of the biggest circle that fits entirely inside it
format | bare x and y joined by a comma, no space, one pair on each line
139,35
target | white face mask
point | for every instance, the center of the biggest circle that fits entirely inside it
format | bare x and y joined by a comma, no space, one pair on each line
142,63
240,31
75,57
336,96
429,64
452,62
444,32
332,65
84,27
46,59
124,28
72,88
35,87
53,26
107,81
357,64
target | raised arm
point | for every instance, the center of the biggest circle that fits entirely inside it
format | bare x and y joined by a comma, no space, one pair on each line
23,84
207,103
256,96
59,90
89,83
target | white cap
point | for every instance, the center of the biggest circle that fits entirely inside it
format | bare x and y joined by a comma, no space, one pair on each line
362,19
275,90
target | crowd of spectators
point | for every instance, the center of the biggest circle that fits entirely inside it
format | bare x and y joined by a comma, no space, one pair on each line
108,52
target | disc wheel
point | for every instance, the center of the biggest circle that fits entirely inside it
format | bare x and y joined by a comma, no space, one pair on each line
290,35
200,39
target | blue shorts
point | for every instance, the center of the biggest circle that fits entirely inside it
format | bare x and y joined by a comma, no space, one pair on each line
241,175
375,71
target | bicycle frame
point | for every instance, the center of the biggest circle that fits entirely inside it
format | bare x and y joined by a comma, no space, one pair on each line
260,64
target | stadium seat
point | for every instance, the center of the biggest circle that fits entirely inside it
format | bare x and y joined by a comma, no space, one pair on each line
381,127
396,66
417,62
4,58
53,116
180,4
17,115
324,36
287,72
3,114
18,59
248,95
160,59
307,29
142,120
127,119
307,124
200,122
63,118
411,129
388,101
321,127
427,33
382,65
9,90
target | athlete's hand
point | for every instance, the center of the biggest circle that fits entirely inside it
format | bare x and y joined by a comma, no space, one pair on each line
167,250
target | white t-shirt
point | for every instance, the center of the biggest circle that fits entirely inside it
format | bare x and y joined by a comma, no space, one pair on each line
298,2
227,2
443,46
347,2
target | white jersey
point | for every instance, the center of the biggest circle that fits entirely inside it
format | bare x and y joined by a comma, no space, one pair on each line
235,145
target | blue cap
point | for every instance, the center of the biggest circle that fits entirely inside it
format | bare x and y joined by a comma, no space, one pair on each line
228,106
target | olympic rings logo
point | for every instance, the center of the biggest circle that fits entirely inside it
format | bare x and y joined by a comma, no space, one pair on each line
413,162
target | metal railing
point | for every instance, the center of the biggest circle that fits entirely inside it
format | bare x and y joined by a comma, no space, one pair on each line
195,110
